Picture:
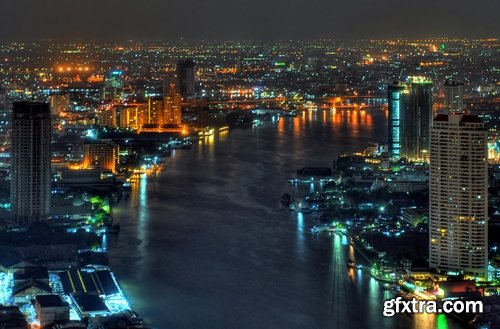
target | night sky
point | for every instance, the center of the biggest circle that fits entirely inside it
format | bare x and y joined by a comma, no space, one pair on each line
247,19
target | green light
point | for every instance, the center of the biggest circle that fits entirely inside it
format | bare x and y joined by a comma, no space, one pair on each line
441,322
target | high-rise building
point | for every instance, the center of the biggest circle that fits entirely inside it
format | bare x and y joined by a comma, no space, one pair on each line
101,154
396,107
113,86
239,65
155,111
31,162
458,221
173,107
132,116
417,119
168,80
185,78
410,115
453,96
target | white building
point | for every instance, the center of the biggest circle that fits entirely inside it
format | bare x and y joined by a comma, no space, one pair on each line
458,223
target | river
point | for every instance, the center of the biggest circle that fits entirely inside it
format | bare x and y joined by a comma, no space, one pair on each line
206,244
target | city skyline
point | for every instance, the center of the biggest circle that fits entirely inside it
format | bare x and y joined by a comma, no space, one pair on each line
258,20
316,182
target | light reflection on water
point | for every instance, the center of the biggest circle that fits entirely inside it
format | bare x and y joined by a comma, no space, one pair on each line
207,244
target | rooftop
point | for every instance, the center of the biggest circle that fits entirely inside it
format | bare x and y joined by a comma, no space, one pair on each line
49,301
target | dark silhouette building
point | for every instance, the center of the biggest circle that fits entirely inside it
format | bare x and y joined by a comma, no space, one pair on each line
185,78
31,167
453,96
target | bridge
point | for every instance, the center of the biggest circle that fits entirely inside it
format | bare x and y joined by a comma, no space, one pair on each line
344,102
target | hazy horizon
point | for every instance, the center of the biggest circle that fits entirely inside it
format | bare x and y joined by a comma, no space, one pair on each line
271,20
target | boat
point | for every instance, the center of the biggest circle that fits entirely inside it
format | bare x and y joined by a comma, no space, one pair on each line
286,200
321,228
175,144
389,286
206,132
292,113
305,209
350,263
315,171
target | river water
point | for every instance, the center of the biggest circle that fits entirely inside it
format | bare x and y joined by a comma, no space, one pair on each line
206,244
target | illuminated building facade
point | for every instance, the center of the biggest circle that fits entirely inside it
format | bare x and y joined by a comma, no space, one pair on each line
113,86
107,117
59,103
102,154
494,150
132,116
458,221
155,111
395,108
417,119
173,107
410,115
453,96
185,78
31,166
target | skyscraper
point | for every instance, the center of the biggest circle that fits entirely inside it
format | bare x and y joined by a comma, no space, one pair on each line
396,106
458,222
453,96
239,65
410,115
31,167
417,119
168,79
185,78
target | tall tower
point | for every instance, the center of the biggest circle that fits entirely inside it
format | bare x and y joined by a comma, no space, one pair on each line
396,107
410,115
453,96
185,78
417,119
30,188
458,222
239,65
